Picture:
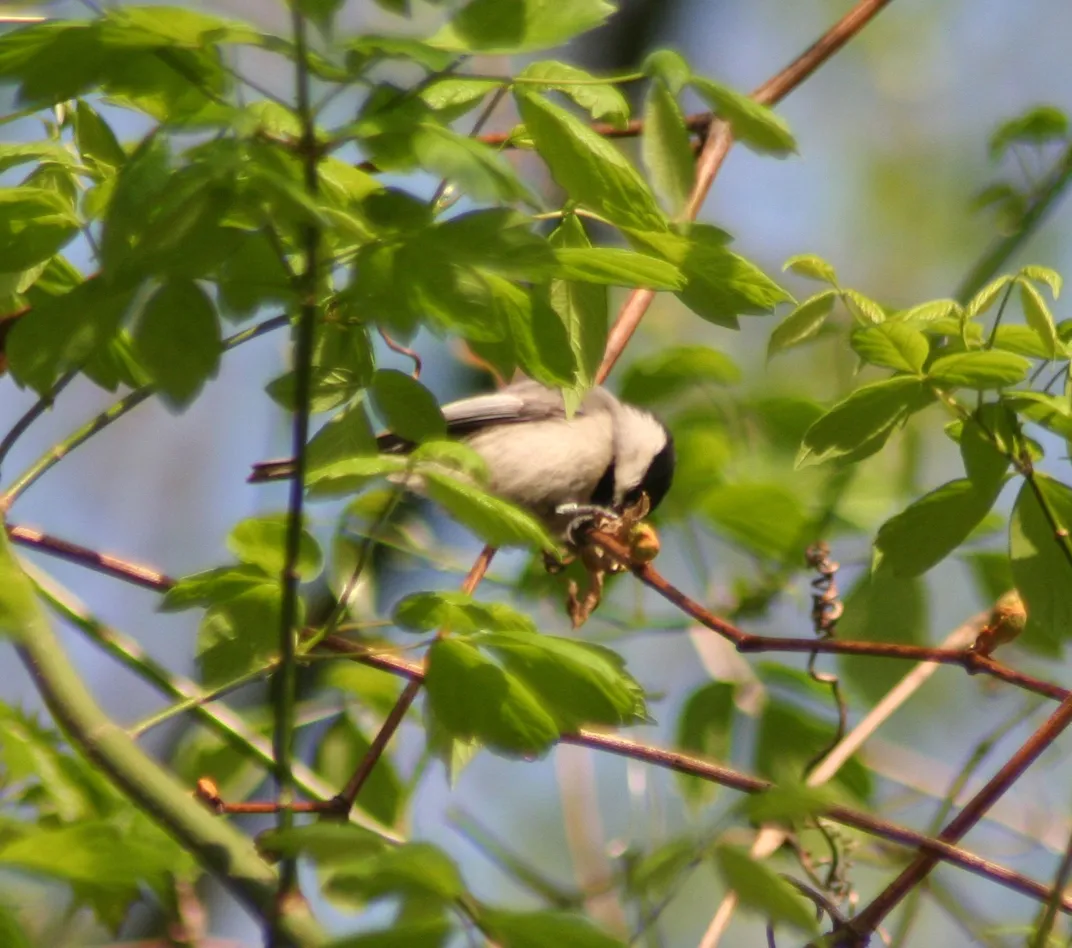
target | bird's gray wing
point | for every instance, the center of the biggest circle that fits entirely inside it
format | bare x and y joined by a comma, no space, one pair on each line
526,401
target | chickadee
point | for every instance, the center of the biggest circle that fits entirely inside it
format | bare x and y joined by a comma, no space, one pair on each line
600,460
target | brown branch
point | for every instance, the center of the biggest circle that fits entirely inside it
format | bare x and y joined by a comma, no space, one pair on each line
747,642
717,146
100,562
943,850
346,799
973,811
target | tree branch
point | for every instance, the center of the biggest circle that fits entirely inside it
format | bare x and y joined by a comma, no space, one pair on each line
717,146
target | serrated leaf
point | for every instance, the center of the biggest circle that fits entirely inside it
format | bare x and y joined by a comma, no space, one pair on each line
669,66
672,371
863,309
582,307
1039,318
348,476
516,26
214,586
492,519
261,542
346,435
979,370
578,683
667,147
177,339
588,167
866,413
96,141
240,635
929,311
458,612
1041,565
802,323
893,345
705,727
722,285
602,101
474,698
762,890
617,267
753,124
811,266
986,297
1024,341
1041,274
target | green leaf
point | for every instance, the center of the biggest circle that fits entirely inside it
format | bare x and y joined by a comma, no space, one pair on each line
753,124
1041,565
722,284
1040,274
12,934
1037,126
705,727
544,930
35,223
929,311
865,414
474,698
788,804
986,297
474,167
95,852
419,933
762,890
540,339
588,167
978,370
492,519
802,323
1024,341
617,267
20,613
240,635
669,66
811,266
96,141
327,842
893,345
458,612
338,750
578,683
346,435
864,309
261,541
927,531
766,519
667,147
408,409
177,339
1052,412
517,26
601,100
676,370
350,475
1040,319
581,306
881,608
213,586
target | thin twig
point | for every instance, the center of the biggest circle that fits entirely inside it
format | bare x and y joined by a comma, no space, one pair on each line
717,146
35,411
1041,937
401,350
974,810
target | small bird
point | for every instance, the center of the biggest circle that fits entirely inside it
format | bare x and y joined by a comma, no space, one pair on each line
601,461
